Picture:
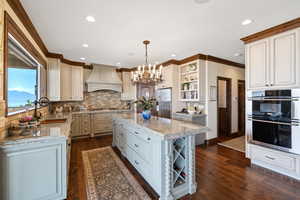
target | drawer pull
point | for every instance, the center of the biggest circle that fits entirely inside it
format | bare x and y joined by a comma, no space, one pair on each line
271,158
136,145
136,162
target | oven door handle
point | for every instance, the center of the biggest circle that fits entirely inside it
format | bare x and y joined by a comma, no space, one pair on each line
269,99
271,122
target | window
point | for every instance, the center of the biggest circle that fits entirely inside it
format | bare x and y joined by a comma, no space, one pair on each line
22,78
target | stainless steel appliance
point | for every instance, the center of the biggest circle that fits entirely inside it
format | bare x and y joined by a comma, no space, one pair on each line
164,99
274,119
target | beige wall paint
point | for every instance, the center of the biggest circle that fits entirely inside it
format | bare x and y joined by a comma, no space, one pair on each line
4,6
214,70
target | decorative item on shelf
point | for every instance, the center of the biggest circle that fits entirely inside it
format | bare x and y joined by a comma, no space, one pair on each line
146,105
147,73
192,67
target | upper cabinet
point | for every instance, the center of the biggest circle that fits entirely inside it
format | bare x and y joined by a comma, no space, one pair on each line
168,74
53,75
274,62
65,82
285,54
128,88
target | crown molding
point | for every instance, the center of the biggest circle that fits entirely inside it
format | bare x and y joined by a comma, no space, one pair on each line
295,23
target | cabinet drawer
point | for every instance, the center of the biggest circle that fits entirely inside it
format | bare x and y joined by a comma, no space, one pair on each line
142,134
277,159
140,146
142,167
102,117
101,127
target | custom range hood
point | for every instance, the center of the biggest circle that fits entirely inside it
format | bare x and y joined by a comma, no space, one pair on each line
104,77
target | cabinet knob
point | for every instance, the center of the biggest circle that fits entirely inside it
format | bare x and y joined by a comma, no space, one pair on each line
136,162
136,145
148,139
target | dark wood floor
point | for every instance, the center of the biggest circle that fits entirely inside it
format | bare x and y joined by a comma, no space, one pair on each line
222,174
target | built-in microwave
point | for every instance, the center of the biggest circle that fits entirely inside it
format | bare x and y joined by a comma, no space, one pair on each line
274,119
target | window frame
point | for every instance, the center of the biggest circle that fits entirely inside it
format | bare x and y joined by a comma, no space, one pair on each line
38,79
11,28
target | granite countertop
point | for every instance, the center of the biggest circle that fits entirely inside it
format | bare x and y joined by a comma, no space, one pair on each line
165,128
99,111
42,132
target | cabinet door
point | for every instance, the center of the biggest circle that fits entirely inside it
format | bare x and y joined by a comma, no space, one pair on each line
36,172
53,79
257,58
77,83
285,66
66,82
85,124
76,125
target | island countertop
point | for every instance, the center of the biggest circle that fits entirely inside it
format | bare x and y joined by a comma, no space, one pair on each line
165,128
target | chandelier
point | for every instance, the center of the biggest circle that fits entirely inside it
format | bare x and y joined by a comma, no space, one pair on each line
147,73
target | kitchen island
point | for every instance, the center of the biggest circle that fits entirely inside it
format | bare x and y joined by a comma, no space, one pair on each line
162,150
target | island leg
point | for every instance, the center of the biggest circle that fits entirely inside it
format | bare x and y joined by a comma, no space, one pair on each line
192,162
167,178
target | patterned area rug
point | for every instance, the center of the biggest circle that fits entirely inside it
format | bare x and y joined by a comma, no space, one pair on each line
107,178
237,144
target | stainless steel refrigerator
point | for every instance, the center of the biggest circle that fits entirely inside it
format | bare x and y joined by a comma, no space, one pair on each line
164,99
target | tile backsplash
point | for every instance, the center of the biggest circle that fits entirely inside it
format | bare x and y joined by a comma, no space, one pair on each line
102,99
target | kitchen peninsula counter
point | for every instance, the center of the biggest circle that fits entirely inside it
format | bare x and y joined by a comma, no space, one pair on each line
162,150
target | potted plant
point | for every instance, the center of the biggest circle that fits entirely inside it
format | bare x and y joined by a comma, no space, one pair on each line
146,105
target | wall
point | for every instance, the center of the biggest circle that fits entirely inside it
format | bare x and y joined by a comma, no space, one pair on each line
213,71
5,7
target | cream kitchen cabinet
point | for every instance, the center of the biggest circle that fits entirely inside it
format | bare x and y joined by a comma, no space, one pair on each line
53,73
81,125
128,88
274,62
101,123
168,73
65,82
258,64
77,83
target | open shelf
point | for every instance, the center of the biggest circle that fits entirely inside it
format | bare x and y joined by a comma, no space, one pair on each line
189,82
179,162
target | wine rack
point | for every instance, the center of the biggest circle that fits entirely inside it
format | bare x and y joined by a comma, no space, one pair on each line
179,162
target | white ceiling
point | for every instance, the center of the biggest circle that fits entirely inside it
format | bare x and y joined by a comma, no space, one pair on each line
181,27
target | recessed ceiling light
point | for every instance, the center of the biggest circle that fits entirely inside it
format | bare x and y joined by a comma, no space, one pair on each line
131,54
90,18
82,58
173,55
85,45
237,54
246,22
201,1
118,64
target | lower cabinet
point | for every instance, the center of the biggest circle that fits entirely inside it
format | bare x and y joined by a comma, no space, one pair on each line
281,162
101,123
81,125
34,171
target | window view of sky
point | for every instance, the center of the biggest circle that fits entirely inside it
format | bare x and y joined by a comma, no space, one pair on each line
21,86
